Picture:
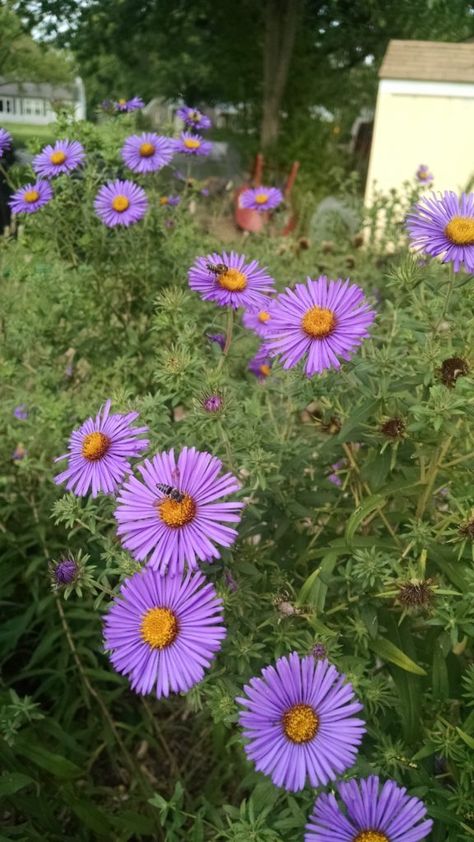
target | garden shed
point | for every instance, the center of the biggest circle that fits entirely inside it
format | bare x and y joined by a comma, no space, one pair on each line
424,115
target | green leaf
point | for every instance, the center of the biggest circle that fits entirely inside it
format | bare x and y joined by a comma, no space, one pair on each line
56,764
11,782
387,650
466,737
376,501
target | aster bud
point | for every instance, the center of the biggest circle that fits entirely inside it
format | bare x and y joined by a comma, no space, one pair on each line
63,572
213,403
319,652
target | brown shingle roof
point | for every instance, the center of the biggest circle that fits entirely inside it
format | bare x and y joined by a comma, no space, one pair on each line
434,61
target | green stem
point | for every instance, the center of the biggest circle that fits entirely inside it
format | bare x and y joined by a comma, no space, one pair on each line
228,337
431,475
448,297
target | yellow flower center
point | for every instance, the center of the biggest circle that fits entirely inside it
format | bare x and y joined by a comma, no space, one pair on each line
191,143
58,157
31,196
300,723
460,230
164,200
265,370
423,174
159,627
95,446
120,203
263,316
371,836
261,198
232,280
122,101
318,322
176,514
147,150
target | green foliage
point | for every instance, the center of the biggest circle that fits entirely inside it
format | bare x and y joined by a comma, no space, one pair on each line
90,313
24,60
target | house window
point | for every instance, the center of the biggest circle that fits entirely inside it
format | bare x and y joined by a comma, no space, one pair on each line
1,104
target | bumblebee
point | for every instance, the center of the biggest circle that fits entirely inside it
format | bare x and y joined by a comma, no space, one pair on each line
171,492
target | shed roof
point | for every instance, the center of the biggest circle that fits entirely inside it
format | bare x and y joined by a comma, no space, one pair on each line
432,61
43,90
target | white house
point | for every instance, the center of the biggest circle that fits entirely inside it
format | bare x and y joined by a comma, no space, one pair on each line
31,102
424,115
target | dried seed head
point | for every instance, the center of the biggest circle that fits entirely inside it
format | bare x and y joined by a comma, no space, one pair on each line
451,369
394,428
319,651
416,593
466,530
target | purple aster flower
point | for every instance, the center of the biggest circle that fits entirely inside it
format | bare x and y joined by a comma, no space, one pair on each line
260,364
6,141
126,105
423,174
192,144
299,721
31,197
21,412
99,451
64,157
172,517
147,152
229,281
218,338
204,191
321,320
261,198
19,453
370,814
194,118
64,572
443,226
120,203
164,631
258,320
170,201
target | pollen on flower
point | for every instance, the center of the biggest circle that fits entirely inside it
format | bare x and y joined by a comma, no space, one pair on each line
159,627
164,200
318,322
58,157
120,203
191,143
300,723
147,150
95,446
265,370
177,513
122,101
263,316
261,198
232,280
371,836
31,196
460,230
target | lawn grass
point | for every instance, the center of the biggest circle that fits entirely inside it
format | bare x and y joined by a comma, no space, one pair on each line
23,133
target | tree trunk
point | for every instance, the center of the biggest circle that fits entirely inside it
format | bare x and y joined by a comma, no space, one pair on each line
281,21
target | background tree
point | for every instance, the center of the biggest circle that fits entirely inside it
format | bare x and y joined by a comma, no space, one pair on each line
23,59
